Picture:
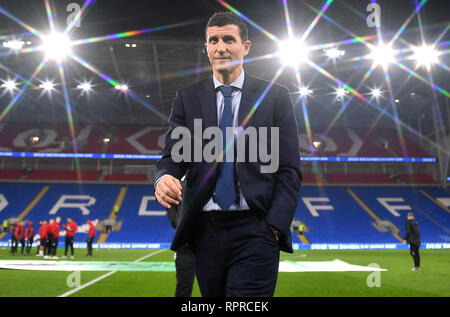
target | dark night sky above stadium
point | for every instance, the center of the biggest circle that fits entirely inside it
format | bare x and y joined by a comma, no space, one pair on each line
113,16
106,17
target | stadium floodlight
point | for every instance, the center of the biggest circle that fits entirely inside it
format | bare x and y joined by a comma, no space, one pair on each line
47,86
9,85
106,140
317,144
305,91
14,44
57,46
334,53
383,54
292,52
376,93
341,92
425,55
122,88
35,139
85,87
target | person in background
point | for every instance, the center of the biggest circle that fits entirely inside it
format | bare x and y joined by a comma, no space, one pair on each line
50,238
14,240
55,230
90,239
71,227
20,235
5,225
29,235
301,228
184,256
43,238
412,237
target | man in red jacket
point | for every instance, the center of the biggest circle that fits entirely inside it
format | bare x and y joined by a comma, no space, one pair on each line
91,235
29,235
49,239
70,228
43,238
55,230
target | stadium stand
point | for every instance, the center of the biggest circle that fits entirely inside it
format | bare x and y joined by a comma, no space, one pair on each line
144,220
81,202
139,139
332,214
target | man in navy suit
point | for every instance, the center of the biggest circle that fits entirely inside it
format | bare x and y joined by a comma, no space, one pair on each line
236,216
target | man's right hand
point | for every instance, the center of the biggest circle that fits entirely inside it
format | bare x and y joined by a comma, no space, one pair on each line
168,191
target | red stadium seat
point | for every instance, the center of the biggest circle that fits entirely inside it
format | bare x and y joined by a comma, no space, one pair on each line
87,175
10,174
126,177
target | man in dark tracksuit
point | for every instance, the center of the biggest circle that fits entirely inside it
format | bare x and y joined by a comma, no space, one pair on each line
413,238
14,239
184,257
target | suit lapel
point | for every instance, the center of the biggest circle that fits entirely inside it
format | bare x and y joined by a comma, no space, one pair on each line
248,100
207,98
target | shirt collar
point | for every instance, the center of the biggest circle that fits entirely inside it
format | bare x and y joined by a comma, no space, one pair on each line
238,83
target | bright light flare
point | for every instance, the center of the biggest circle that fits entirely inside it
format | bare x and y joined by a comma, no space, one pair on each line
341,92
292,52
85,86
35,139
375,93
334,53
383,54
57,46
317,144
122,88
9,85
47,86
305,91
425,55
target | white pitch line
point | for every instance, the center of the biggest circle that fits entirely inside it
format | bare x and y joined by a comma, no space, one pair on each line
104,276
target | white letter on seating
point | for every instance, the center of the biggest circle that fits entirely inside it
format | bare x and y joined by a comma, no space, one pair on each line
143,208
3,202
393,209
313,209
80,205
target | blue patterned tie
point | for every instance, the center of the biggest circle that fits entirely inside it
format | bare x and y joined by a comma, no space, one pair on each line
225,193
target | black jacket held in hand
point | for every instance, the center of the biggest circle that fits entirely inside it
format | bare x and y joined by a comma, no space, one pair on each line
412,232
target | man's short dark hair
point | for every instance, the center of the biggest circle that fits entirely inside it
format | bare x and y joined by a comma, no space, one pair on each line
227,18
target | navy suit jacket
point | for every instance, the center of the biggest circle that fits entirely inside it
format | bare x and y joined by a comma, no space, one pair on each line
274,194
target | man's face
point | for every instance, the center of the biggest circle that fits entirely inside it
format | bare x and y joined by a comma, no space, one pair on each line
226,51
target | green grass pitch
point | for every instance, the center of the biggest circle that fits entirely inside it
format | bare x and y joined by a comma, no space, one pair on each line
432,280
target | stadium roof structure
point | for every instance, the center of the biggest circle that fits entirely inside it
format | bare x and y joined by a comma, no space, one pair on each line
156,47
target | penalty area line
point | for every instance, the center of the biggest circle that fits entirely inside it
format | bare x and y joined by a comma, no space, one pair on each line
104,276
